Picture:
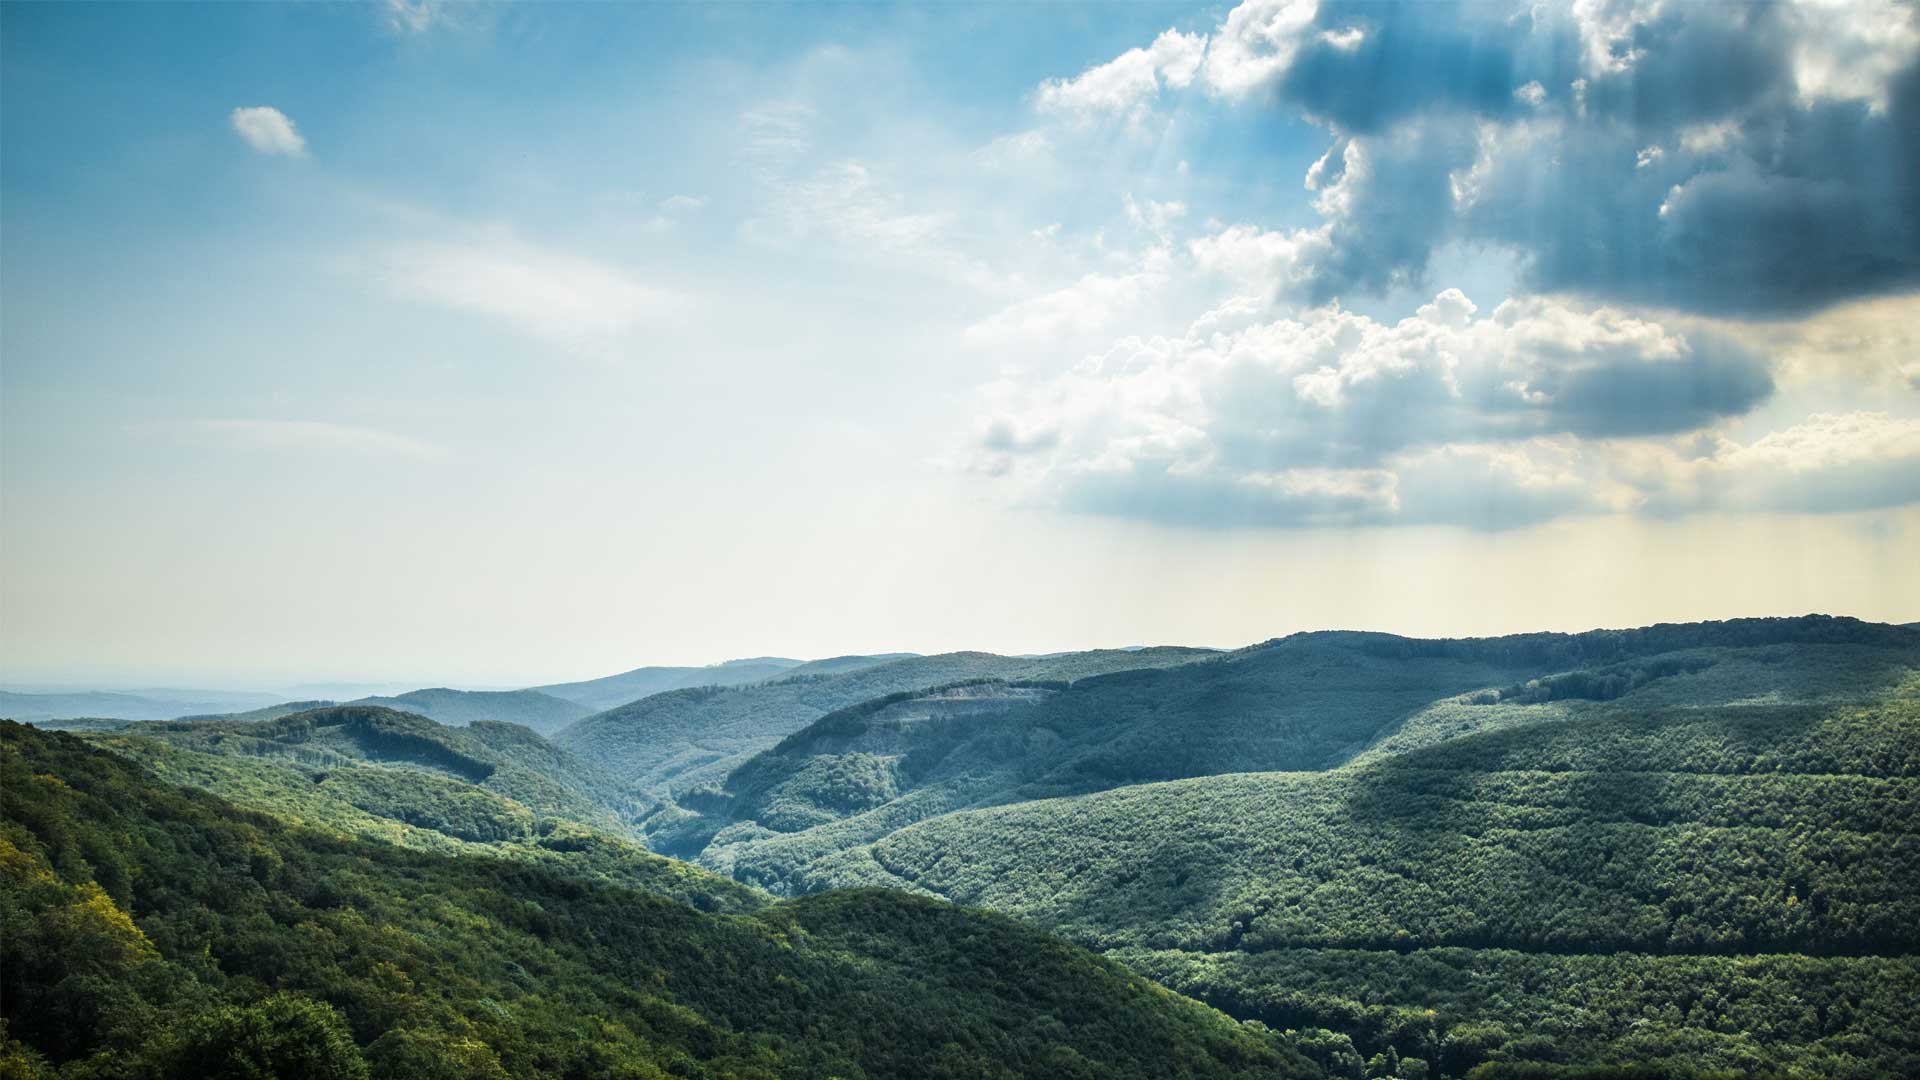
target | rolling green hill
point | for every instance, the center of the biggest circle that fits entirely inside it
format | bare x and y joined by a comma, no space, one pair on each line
685,737
528,708
394,765
1614,847
1685,850
154,931
1306,703
1736,890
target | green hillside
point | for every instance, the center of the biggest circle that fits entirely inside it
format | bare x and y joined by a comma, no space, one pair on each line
528,708
502,759
1732,887
487,789
615,690
1629,846
1306,703
154,931
685,737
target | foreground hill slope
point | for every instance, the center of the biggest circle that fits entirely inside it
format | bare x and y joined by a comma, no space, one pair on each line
528,708
487,789
155,931
686,737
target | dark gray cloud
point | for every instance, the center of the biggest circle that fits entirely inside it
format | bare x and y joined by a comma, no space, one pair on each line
1450,416
1733,159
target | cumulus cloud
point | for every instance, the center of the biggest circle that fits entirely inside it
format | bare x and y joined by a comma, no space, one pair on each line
1128,81
1453,414
1749,160
268,130
1830,462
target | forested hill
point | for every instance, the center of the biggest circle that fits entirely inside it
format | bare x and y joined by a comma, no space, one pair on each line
528,708
684,737
152,931
1304,703
1700,858
510,760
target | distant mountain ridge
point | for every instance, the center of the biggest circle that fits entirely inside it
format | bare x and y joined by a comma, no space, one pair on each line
616,690
529,708
124,705
685,737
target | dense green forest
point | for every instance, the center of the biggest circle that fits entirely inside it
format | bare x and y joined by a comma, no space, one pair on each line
1308,703
686,737
1680,851
1641,859
152,931
406,780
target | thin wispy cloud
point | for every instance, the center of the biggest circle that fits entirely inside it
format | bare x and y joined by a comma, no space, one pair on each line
561,297
314,436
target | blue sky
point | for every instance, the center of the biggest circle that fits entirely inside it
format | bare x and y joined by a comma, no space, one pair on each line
509,343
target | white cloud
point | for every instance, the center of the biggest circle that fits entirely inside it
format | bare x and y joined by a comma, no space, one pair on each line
1128,81
1258,40
1449,415
1090,305
554,295
308,435
417,16
1255,260
1757,190
269,131
1829,462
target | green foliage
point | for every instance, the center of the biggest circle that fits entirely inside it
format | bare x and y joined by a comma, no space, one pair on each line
1706,859
688,737
284,1037
1304,703
1752,904
427,810
155,931
504,759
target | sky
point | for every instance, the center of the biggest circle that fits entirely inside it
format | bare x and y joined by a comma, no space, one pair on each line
496,345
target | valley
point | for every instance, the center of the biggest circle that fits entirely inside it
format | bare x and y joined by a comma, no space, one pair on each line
1683,848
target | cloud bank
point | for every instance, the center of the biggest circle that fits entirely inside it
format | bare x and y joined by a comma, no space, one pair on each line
1693,197
1736,159
1532,411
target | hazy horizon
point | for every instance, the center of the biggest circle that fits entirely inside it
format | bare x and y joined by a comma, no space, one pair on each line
348,685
